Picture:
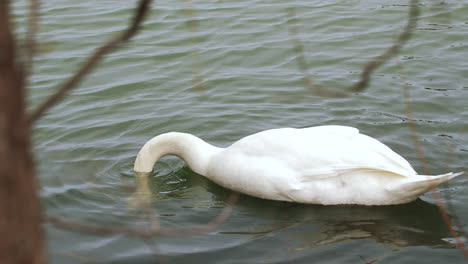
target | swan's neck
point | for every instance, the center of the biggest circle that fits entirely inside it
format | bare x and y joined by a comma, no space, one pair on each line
194,151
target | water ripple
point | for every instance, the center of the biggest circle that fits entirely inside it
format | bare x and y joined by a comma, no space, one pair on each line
245,57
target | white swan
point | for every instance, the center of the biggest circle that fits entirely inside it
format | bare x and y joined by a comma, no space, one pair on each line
318,165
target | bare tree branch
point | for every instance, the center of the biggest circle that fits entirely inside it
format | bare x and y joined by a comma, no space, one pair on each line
22,236
142,232
422,160
390,52
412,128
301,62
368,69
92,61
192,24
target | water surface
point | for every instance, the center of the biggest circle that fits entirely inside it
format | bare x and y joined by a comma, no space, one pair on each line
244,55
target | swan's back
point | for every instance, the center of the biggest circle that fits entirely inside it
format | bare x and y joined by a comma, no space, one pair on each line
323,148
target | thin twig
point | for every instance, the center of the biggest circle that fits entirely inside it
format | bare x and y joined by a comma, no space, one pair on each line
301,61
92,61
422,159
412,127
192,24
390,52
298,48
448,223
142,232
368,69
448,197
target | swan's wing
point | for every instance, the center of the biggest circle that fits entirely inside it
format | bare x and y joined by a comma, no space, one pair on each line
355,153
383,158
324,151
320,174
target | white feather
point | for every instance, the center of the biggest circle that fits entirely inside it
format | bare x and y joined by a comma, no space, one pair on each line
320,165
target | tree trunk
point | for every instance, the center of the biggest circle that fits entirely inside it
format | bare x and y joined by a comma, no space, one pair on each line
21,234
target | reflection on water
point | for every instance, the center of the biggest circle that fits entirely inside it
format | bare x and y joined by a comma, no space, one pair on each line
414,224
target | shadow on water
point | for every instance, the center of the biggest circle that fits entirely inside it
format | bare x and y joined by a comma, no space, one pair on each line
414,224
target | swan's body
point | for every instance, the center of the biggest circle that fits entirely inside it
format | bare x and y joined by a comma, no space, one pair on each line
319,165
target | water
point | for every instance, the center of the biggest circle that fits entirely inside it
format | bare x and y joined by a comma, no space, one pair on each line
243,52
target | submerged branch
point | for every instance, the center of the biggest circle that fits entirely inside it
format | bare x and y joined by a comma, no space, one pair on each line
92,61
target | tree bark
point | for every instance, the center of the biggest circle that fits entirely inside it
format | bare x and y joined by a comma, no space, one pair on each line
21,234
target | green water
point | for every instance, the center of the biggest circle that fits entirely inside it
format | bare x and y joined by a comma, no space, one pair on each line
85,147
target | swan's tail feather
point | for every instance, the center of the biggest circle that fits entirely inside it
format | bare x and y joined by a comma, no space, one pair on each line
424,183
